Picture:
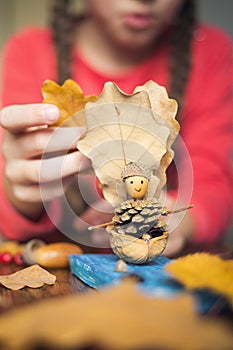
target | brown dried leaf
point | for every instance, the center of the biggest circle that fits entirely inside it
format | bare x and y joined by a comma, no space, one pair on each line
33,276
164,106
160,102
203,270
115,318
124,128
69,98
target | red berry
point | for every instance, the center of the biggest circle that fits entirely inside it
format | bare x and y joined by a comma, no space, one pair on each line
6,257
18,259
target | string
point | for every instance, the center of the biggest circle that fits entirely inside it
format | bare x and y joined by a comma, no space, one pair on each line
121,133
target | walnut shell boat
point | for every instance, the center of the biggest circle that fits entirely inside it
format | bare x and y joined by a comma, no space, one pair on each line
136,250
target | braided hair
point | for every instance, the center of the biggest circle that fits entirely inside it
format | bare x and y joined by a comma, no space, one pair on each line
63,23
62,29
180,60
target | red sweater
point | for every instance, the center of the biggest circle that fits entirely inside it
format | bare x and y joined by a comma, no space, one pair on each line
206,121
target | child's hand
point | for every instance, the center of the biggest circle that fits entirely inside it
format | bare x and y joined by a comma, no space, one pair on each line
36,157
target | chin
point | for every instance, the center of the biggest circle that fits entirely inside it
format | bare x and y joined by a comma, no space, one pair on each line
136,42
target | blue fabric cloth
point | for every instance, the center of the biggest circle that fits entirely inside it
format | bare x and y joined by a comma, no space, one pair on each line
98,271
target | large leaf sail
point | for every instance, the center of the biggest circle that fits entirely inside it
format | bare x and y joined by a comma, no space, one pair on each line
123,128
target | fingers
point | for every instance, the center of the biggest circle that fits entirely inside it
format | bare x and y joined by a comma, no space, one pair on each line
43,193
41,141
20,117
26,172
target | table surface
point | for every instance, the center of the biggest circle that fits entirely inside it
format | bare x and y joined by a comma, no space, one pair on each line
66,283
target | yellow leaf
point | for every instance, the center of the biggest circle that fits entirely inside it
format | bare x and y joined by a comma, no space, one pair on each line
69,98
203,270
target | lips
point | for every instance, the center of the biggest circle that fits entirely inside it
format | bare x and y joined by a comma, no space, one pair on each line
137,190
138,21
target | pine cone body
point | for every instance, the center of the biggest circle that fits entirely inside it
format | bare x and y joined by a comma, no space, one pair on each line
138,235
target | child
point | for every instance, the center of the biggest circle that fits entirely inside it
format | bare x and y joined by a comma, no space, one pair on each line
128,42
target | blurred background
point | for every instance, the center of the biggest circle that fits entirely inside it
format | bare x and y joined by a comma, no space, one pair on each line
16,14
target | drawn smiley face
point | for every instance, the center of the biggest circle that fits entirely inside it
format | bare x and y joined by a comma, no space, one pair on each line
136,186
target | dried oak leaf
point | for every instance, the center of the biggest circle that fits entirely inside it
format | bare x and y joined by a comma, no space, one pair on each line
204,271
33,276
69,98
123,128
117,318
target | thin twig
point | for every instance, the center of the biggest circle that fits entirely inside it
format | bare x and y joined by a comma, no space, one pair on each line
167,212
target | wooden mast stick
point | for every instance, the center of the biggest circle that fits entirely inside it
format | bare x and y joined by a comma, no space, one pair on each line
166,212
90,228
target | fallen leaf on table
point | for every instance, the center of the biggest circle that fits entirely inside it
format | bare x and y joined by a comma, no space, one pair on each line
204,271
117,318
69,98
33,276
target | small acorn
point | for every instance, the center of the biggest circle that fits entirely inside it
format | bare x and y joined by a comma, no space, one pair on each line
136,177
121,266
53,255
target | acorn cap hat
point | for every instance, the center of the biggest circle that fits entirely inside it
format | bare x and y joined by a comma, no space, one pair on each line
135,169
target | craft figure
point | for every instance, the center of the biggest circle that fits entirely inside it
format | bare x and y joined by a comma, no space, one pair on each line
128,140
